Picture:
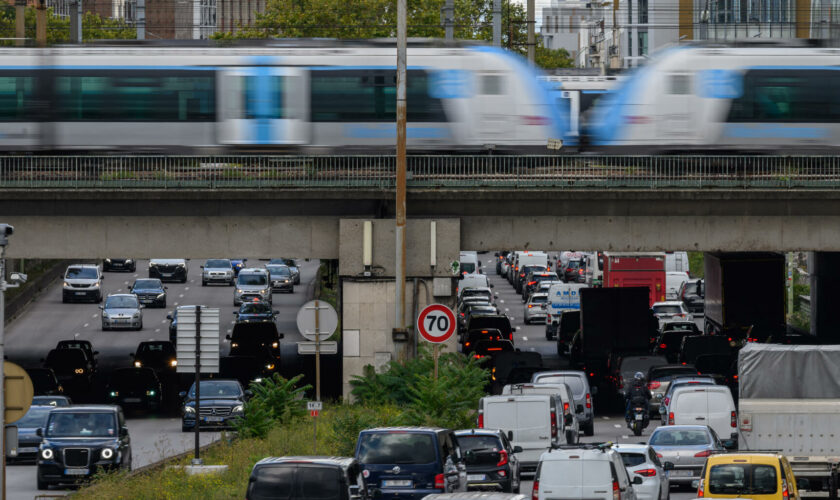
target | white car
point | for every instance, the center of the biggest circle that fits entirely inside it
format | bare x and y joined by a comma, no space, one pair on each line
671,310
535,308
641,460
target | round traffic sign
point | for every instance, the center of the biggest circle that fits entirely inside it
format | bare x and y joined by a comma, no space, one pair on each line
436,323
19,391
327,320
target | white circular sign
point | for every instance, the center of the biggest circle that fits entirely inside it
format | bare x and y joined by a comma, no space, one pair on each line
327,320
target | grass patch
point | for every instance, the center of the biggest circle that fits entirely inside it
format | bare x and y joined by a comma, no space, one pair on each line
696,264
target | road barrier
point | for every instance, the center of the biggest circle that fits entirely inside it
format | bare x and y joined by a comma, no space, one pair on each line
424,171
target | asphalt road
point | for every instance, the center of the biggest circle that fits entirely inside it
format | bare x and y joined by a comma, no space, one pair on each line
48,320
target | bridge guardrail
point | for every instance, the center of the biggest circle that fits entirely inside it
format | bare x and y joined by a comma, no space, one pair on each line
424,171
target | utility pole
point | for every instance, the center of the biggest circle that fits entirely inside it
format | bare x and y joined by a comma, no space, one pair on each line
75,21
401,167
531,35
20,22
5,231
41,24
141,19
497,23
449,20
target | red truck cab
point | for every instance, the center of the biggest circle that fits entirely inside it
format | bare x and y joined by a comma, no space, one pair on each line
643,269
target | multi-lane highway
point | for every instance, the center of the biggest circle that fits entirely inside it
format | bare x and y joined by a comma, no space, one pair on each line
48,320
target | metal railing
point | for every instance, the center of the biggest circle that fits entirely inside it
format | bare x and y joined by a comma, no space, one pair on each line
424,171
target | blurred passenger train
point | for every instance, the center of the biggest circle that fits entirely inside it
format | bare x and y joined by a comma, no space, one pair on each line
576,93
729,99
315,96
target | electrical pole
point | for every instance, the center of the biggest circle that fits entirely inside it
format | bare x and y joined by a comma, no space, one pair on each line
75,21
41,24
141,19
497,23
5,231
531,35
449,20
20,22
401,167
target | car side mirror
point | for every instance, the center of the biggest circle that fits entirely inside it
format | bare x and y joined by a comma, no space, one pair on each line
227,337
517,449
510,435
169,317
248,393
281,335
355,491
123,432
492,285
803,484
275,312
131,355
201,267
182,394
236,313
39,432
166,288
579,409
668,466
102,308
638,480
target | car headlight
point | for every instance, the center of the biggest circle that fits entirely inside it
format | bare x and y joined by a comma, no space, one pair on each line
104,314
80,371
109,260
189,409
161,295
238,291
128,261
234,344
114,394
66,285
150,392
138,364
285,281
106,453
275,345
238,408
46,453
269,366
174,362
95,285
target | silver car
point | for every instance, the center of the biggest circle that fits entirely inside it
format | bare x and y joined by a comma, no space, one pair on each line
293,267
641,460
123,311
252,284
535,308
579,384
687,447
281,278
217,271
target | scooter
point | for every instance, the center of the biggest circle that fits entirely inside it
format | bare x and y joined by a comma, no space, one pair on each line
639,420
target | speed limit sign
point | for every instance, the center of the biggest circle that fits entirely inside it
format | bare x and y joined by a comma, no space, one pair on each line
436,323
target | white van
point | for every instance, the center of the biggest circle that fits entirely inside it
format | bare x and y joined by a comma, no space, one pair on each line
594,472
473,280
594,269
673,282
561,297
676,262
710,405
468,263
532,421
571,427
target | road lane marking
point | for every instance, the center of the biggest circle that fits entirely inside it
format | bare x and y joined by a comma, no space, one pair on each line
625,436
617,426
606,418
157,330
233,322
181,296
95,316
164,321
119,289
525,339
506,309
176,303
86,325
186,288
229,330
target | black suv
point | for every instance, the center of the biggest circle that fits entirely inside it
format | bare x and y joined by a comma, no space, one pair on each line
314,478
79,441
72,367
222,402
150,292
168,269
135,388
158,355
491,460
119,265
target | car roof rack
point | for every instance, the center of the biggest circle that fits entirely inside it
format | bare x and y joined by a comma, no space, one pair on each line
602,447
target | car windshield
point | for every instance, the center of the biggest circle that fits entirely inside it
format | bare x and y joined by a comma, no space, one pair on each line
482,310
479,443
680,437
218,388
50,401
217,264
81,424
150,347
670,372
742,479
396,448
251,279
680,328
279,270
475,293
573,264
147,284
539,299
255,308
81,273
66,358
573,381
123,302
632,459
36,417
667,309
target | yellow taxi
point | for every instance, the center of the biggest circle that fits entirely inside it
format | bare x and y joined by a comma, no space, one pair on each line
758,476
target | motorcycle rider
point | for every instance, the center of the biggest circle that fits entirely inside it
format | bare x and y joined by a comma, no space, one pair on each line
637,395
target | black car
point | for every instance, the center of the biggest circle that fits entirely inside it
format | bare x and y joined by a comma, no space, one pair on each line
79,441
668,344
512,367
119,265
490,348
168,269
255,312
696,345
44,382
222,402
158,355
51,401
491,460
471,309
252,338
150,292
575,271
498,321
311,478
72,367
135,388
472,337
693,295
28,438
84,345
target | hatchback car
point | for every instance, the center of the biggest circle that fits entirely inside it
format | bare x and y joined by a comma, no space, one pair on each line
252,284
641,460
114,264
307,478
670,311
492,462
255,312
222,402
79,441
84,345
410,462
122,311
217,271
759,476
687,447
158,355
293,267
150,292
82,282
668,344
535,308
281,278
27,428
135,388
169,269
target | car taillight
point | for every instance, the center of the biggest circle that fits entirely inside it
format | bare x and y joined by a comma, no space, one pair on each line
666,401
439,482
480,420
785,493
503,458
655,384
616,491
663,346
531,283
659,455
553,425
535,491
580,271
588,401
735,377
703,454
733,419
700,492
671,418
530,306
565,408
510,336
521,275
462,315
646,472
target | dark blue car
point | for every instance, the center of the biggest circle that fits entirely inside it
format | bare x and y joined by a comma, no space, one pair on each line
410,462
255,312
150,292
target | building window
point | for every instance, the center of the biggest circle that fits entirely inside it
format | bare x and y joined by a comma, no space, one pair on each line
643,43
643,11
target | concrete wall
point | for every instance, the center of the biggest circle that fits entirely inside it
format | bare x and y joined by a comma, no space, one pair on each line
418,247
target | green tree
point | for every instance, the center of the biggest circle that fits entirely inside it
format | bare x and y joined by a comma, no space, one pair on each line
58,29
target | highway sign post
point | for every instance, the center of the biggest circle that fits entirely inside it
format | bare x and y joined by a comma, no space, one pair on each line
197,351
436,324
314,407
317,321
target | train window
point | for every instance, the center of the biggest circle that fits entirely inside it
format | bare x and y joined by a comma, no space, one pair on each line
492,84
134,95
370,96
791,96
679,84
16,94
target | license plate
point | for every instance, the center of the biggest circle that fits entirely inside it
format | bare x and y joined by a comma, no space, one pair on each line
640,417
214,419
76,472
147,301
680,473
396,483
476,477
81,293
116,265
27,450
132,400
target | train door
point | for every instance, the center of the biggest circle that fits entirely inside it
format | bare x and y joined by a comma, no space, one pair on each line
264,105
494,117
677,110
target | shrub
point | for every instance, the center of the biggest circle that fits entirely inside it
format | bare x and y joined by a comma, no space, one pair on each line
275,400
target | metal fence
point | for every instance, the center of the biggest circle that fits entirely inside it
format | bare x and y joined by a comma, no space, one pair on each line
426,171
